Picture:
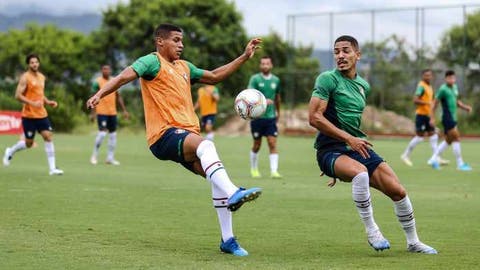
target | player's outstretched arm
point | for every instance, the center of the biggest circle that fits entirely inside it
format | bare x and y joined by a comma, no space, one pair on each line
464,106
126,76
316,109
220,73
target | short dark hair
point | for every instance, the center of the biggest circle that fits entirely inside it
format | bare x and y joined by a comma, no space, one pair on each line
449,73
164,29
30,56
426,70
350,39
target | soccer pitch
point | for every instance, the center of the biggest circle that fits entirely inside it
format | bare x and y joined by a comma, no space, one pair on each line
151,214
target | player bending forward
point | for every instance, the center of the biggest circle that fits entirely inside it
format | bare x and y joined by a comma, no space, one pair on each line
335,109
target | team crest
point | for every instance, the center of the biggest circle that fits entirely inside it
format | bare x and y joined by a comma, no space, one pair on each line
273,85
362,91
185,76
180,131
261,84
29,133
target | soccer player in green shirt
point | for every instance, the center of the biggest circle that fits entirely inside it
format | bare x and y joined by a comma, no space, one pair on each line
266,126
343,152
447,94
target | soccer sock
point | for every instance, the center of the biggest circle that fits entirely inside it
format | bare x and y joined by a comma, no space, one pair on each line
457,151
213,167
416,140
50,150
273,162
253,160
434,142
404,212
20,145
210,136
441,147
361,197
98,141
220,203
112,142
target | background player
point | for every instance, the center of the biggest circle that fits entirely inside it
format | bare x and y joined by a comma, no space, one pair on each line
269,85
208,97
447,94
172,127
423,100
106,112
335,109
30,91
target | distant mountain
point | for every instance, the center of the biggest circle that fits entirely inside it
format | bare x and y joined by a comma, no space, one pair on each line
84,23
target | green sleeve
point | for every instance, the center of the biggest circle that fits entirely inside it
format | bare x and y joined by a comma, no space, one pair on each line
324,86
419,92
216,91
252,83
439,93
95,87
279,87
147,66
195,73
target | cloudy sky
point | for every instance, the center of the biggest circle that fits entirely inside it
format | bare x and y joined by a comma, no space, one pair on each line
263,16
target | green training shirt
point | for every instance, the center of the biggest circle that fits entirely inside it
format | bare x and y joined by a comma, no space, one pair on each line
448,95
346,101
270,87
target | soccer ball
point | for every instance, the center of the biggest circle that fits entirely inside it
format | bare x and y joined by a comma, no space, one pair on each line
250,104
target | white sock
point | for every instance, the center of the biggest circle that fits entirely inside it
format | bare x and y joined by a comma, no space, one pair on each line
457,151
98,141
253,160
416,140
210,136
404,212
112,142
213,167
50,150
361,197
19,146
433,142
224,215
440,148
273,162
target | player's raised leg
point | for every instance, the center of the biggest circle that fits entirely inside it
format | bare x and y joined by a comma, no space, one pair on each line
10,151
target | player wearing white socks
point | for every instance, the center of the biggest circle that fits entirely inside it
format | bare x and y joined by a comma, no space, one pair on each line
447,95
335,109
172,127
30,91
106,114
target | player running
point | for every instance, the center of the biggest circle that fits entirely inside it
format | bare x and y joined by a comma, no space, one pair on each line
269,85
447,94
106,112
30,91
172,127
335,109
208,97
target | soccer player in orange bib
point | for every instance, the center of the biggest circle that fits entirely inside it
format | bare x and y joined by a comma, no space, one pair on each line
30,91
106,112
172,127
208,97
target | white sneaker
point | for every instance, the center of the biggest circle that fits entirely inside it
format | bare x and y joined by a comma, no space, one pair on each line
377,241
420,247
93,160
406,160
56,172
112,162
7,157
443,161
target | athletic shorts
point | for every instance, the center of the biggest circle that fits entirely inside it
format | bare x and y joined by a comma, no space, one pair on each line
264,127
326,160
422,123
208,119
448,124
107,122
31,125
170,147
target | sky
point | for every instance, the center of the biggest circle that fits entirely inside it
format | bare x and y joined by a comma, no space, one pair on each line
263,16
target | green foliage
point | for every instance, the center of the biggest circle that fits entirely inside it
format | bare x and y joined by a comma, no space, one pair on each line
68,114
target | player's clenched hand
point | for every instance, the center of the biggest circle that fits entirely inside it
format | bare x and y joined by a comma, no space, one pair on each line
93,102
252,45
360,145
37,103
52,103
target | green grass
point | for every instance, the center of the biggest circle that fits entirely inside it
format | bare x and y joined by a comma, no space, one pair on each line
149,214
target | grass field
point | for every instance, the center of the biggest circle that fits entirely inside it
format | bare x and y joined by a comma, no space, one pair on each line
149,214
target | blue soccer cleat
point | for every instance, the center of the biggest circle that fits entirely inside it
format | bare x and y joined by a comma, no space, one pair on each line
420,247
231,246
242,196
464,167
377,241
435,165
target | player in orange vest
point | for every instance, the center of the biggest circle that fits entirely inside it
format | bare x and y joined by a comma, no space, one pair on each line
172,127
30,91
106,112
208,97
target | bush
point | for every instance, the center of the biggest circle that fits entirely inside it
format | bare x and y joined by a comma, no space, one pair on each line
69,112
